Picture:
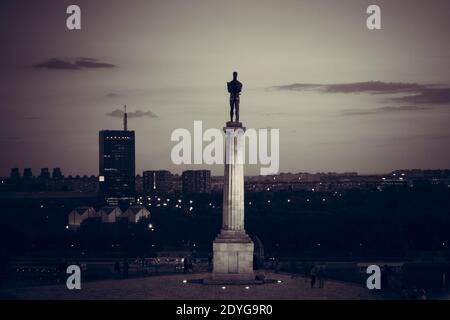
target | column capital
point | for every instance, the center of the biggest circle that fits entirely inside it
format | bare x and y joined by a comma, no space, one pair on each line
233,126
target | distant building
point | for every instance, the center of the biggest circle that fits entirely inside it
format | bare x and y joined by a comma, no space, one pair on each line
117,164
45,173
217,183
110,214
27,173
80,214
177,185
15,174
135,213
156,182
139,184
56,174
196,181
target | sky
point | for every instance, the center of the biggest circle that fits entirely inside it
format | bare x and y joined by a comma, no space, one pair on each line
344,98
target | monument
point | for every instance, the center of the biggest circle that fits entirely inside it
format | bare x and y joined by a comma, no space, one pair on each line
233,248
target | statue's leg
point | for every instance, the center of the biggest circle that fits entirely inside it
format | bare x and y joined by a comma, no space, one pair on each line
231,110
237,110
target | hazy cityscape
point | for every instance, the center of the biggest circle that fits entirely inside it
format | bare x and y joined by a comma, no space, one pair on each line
121,126
156,218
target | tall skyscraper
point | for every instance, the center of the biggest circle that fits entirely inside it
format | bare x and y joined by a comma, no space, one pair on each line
196,181
57,174
159,181
117,164
15,174
45,173
27,173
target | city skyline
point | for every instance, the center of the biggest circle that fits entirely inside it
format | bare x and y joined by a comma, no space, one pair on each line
344,98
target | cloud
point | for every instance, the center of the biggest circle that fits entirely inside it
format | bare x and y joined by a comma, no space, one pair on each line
134,114
357,112
414,93
113,95
420,137
402,108
57,64
380,110
73,64
356,87
428,96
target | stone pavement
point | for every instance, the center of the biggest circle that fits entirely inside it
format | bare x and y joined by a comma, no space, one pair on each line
172,287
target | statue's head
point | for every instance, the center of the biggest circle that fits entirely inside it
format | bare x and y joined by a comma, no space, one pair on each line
235,75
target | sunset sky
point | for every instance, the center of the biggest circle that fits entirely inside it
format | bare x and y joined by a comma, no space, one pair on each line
345,98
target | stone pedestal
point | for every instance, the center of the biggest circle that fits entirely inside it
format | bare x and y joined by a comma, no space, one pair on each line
233,248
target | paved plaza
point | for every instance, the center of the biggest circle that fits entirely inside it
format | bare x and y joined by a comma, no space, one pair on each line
186,287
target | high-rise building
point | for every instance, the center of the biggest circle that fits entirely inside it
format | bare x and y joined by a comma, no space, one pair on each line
117,163
196,181
159,181
45,173
27,173
56,173
15,174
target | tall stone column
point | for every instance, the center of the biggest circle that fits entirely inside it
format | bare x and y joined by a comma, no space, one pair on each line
233,248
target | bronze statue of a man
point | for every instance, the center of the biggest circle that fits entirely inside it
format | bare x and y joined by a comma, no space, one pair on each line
234,88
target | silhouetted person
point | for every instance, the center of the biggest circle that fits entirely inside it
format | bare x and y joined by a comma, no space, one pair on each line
385,276
210,262
62,271
313,275
320,275
186,264
117,268
234,88
190,264
126,267
423,294
444,281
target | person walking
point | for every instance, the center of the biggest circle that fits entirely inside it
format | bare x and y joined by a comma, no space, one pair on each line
313,276
320,275
126,266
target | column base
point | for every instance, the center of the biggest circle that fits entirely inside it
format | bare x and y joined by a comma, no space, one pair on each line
233,257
